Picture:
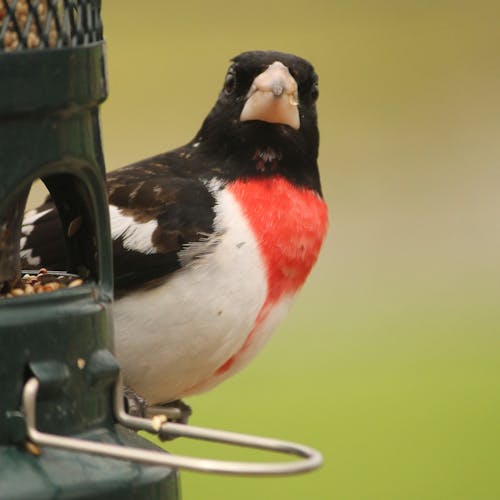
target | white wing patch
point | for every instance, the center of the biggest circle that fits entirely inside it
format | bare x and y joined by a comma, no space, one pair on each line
136,235
31,259
29,221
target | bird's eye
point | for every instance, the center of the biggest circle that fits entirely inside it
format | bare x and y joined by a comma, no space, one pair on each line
230,83
315,91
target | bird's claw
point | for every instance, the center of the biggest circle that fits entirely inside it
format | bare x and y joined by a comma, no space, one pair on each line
134,404
175,411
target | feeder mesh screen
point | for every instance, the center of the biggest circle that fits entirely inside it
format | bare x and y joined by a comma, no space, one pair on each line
41,24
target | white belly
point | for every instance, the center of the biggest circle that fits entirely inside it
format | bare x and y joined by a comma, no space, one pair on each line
170,340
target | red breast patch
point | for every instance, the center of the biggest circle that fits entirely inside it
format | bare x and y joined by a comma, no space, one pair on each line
290,225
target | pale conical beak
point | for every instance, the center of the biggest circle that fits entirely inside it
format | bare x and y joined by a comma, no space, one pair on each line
273,98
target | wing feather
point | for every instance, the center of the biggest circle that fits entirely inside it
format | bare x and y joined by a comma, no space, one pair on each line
156,210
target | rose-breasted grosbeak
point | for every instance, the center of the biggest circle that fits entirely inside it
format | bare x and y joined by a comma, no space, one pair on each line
212,240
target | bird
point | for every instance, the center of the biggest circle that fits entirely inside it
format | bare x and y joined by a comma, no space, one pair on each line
211,240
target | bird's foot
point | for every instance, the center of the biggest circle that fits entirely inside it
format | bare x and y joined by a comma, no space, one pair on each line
134,404
176,411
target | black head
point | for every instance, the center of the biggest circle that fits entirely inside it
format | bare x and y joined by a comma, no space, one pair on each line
264,121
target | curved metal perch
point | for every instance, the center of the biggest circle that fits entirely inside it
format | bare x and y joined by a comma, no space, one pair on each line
310,458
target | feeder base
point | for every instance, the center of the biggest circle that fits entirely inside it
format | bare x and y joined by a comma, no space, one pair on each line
53,473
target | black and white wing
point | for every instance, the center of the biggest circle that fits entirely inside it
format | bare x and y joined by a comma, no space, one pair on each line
155,211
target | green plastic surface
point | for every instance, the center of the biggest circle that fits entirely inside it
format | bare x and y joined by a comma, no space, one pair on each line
49,129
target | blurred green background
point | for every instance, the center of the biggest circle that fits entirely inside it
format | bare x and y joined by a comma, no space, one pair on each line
390,360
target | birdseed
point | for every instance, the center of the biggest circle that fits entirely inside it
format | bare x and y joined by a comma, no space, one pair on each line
22,16
41,282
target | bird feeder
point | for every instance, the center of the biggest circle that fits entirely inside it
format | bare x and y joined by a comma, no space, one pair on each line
62,417
52,81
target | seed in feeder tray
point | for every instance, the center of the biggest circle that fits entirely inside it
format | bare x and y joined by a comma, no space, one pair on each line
51,287
74,283
42,282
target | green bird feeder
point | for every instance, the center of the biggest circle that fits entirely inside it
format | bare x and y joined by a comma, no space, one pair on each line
52,82
64,432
